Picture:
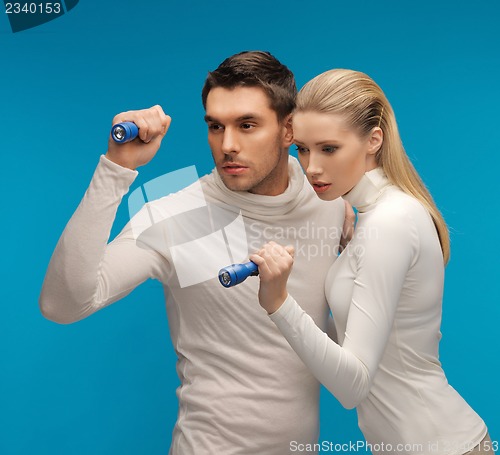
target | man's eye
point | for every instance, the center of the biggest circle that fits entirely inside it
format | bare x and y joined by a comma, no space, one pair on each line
214,127
247,126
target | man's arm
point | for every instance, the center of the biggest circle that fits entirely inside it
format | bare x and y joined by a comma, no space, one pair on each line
85,273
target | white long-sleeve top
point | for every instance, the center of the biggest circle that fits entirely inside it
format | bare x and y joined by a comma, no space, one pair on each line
385,294
243,390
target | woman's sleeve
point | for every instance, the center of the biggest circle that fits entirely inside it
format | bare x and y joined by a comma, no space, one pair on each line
86,273
383,261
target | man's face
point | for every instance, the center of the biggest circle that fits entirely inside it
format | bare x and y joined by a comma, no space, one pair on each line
249,145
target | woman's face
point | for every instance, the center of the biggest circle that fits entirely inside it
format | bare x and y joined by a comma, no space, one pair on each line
332,155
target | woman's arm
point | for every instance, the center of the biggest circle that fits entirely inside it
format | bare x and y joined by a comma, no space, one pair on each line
347,371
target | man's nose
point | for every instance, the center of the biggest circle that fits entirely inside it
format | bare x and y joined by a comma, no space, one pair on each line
230,142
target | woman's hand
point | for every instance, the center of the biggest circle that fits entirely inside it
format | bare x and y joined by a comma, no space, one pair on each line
348,229
275,264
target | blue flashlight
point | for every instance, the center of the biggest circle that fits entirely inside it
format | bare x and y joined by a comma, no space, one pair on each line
237,273
124,132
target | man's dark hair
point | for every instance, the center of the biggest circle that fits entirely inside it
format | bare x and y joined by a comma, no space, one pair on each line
256,69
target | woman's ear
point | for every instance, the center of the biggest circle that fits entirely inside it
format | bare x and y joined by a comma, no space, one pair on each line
288,131
375,140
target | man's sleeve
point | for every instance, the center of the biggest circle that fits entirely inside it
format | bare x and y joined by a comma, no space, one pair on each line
86,273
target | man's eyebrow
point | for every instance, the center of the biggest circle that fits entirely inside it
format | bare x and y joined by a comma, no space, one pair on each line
249,116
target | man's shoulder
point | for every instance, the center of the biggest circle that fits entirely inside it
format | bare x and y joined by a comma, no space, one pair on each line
192,193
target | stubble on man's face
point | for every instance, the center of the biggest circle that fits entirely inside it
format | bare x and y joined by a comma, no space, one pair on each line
266,178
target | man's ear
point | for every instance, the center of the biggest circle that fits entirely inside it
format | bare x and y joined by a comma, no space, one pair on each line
287,131
375,140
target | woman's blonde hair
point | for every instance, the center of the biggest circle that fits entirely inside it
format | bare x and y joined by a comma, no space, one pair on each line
363,105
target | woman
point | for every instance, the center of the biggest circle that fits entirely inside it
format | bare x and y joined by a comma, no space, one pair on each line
385,289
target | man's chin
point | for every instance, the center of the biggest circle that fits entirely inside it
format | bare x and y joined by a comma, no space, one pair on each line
235,183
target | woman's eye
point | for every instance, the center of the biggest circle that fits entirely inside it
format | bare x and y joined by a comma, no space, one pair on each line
329,148
300,149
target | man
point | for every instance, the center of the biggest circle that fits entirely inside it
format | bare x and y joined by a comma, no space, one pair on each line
243,390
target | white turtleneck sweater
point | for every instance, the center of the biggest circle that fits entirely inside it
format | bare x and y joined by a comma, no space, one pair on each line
243,389
385,294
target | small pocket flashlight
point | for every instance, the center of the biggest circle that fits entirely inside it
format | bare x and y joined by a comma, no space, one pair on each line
124,132
237,273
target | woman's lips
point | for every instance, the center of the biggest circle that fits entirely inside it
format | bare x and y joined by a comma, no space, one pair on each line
321,187
234,169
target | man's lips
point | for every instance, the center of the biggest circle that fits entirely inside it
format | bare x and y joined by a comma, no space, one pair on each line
320,187
234,168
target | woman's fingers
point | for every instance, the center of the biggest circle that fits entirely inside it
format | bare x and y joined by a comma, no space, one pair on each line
273,260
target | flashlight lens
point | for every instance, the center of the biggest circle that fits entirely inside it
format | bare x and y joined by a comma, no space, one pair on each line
226,279
119,133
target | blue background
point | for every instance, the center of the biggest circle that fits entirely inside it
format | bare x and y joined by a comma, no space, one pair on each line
106,385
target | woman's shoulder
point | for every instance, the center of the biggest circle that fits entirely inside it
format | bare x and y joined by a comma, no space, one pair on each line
397,207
